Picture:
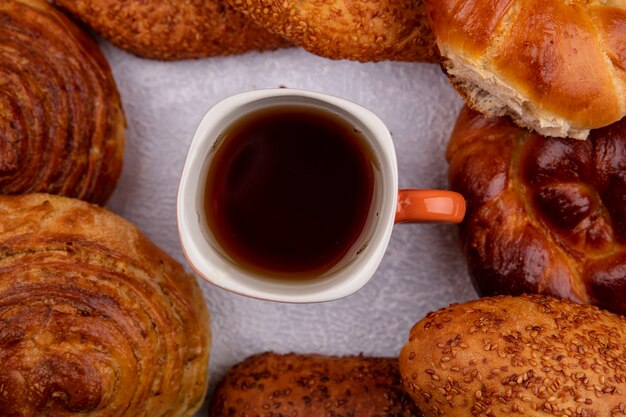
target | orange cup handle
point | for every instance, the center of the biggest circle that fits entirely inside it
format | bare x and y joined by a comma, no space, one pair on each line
430,206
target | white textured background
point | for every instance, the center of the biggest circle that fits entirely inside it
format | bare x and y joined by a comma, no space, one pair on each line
423,268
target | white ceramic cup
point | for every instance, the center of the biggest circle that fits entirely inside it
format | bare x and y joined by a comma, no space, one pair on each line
354,271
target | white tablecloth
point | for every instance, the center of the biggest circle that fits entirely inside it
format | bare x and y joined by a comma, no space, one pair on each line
423,268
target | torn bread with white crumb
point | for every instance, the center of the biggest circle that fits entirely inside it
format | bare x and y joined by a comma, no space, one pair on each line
556,67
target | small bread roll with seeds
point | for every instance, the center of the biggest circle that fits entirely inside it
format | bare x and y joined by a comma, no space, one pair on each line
170,30
360,30
529,356
273,385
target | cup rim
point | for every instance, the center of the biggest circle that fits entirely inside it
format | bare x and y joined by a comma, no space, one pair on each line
188,218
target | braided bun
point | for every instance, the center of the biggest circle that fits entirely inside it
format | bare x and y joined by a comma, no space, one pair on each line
544,214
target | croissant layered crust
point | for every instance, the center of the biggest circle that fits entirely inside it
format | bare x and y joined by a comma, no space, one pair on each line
556,66
61,118
94,318
544,214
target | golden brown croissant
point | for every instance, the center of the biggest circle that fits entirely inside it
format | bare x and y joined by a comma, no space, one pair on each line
173,29
61,119
556,66
531,356
94,318
311,386
544,214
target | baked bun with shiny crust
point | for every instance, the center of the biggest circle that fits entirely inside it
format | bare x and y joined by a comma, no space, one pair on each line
557,67
544,215
532,356
360,30
173,29
311,386
61,118
94,318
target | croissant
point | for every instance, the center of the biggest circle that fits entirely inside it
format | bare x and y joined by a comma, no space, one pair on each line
557,67
544,215
94,318
61,118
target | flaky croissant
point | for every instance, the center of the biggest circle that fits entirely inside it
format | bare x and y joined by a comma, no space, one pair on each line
544,214
94,318
61,118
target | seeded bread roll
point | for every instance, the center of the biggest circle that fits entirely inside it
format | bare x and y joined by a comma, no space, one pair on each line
555,66
360,30
173,29
528,356
269,384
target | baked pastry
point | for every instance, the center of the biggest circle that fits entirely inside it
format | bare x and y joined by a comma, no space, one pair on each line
312,386
359,30
94,318
517,356
557,67
61,118
544,215
173,29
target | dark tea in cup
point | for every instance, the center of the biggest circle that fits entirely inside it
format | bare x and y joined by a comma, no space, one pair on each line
283,198
288,190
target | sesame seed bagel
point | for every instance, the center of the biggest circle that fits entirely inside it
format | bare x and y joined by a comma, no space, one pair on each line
173,29
360,30
530,355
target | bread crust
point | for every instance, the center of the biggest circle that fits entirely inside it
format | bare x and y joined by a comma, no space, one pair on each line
173,30
275,385
556,67
361,30
94,318
529,356
61,118
544,215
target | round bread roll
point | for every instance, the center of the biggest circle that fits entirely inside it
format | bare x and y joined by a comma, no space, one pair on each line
544,215
274,385
94,319
517,356
361,30
61,118
173,29
555,66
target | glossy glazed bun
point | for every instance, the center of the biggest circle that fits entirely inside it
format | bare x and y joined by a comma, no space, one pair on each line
557,67
544,214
